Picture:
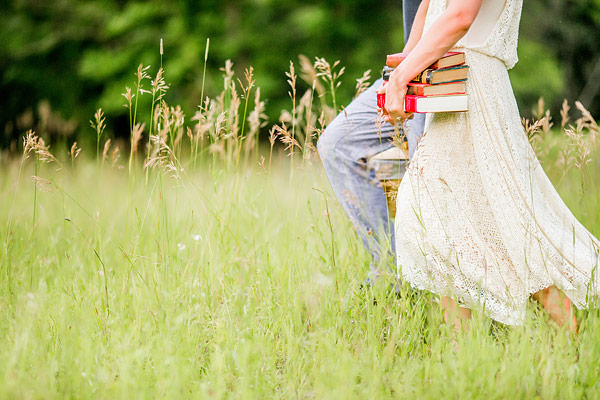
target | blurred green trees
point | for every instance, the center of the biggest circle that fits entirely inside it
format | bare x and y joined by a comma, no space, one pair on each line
65,58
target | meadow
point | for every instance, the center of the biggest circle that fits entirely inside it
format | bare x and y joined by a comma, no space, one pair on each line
206,264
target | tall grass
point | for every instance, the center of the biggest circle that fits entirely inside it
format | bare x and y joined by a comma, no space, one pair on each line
208,280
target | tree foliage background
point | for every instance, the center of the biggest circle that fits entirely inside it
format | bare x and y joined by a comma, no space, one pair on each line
61,60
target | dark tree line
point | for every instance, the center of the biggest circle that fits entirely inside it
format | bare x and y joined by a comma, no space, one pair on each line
61,60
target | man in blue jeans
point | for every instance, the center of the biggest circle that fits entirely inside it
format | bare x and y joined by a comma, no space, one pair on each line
348,142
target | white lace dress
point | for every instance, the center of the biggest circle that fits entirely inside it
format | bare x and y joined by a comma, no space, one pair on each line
477,218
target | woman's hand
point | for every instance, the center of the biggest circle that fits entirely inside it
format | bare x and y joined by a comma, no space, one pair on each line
395,90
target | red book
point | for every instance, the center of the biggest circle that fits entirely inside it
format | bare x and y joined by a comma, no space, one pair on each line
449,59
427,89
380,100
425,104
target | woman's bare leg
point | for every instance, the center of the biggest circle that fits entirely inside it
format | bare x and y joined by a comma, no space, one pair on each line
558,306
455,315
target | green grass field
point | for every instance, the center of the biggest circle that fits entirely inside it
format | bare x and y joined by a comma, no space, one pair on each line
228,270
242,285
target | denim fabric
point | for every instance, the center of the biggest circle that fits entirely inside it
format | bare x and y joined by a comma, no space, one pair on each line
348,142
409,8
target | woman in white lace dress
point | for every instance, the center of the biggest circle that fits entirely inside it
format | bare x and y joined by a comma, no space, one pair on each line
478,222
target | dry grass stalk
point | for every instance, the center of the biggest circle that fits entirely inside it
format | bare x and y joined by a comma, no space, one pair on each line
114,156
74,152
158,89
228,74
564,114
163,158
261,163
28,142
310,151
128,97
99,122
142,73
310,121
250,82
319,131
540,111
170,127
580,148
106,150
233,116
587,122
272,139
222,115
36,144
257,119
158,85
132,105
581,137
138,131
44,185
309,74
286,138
535,129
330,76
189,134
399,134
203,124
291,75
362,83
220,129
178,125
163,120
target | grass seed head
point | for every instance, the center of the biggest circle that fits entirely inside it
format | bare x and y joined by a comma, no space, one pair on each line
44,185
362,83
74,152
128,97
138,131
115,154
106,150
564,114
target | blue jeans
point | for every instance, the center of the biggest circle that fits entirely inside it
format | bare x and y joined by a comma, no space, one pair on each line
348,142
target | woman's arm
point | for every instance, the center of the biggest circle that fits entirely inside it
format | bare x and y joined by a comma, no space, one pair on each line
452,25
417,26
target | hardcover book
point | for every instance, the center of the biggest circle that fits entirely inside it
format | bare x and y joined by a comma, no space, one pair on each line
425,104
450,59
425,89
435,76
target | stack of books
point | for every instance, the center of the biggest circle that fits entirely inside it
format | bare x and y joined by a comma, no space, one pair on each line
439,88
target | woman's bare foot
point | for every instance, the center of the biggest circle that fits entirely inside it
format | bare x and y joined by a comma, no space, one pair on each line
455,315
558,306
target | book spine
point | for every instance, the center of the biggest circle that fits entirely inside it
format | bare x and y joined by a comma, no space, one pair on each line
415,90
418,78
410,104
424,77
381,100
427,76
